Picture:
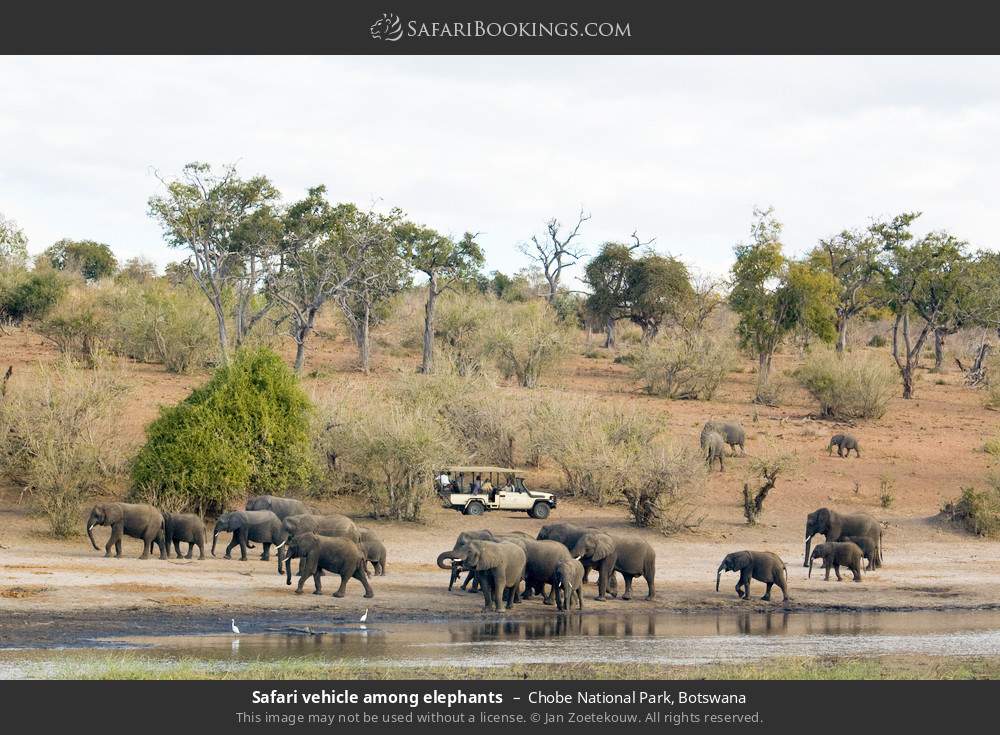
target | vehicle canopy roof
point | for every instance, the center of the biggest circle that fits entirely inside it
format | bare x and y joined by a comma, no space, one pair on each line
483,469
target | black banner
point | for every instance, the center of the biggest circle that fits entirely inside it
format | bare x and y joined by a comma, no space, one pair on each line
380,706
511,27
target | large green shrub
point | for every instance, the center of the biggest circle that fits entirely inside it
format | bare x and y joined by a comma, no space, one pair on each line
858,386
245,431
977,511
693,366
33,296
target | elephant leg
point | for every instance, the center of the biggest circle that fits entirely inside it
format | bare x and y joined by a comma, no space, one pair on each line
549,597
454,576
190,549
147,546
318,583
836,570
485,587
342,590
111,542
827,568
767,592
362,577
558,595
176,543
201,550
628,586
612,583
602,584
266,556
856,571
586,573
233,543
500,591
242,534
162,544
579,598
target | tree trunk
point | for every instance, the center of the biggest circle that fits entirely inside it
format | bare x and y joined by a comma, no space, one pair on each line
364,345
763,368
300,340
609,334
841,333
220,317
427,365
938,351
907,374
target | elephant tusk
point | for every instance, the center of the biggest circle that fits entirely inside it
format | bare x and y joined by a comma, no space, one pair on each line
91,526
280,545
217,534
578,557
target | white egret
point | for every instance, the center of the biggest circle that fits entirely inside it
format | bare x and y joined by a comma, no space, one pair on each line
236,630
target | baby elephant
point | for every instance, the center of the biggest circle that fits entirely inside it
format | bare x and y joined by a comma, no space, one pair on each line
374,550
715,448
837,554
844,444
187,527
763,566
568,582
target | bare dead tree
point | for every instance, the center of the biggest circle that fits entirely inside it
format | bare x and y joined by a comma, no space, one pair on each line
555,252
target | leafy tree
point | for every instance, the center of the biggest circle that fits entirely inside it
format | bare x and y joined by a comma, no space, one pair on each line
607,274
773,296
13,244
656,288
555,251
246,429
231,229
852,257
927,282
445,261
137,270
382,273
94,260
32,297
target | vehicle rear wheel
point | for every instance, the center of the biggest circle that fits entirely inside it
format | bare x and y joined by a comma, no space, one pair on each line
475,508
539,510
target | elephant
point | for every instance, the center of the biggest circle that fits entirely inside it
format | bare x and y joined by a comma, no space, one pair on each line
458,550
250,525
868,549
328,525
567,534
542,558
499,567
610,554
715,449
836,554
333,554
732,433
844,444
137,520
836,526
281,507
568,582
188,527
374,550
764,566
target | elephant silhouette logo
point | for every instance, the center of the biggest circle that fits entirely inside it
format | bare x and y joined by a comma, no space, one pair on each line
387,28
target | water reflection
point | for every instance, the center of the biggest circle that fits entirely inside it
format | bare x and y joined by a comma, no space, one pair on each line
648,637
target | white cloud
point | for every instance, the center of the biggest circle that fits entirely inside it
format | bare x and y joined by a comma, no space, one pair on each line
677,148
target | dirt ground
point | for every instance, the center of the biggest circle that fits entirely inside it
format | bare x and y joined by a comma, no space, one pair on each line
927,449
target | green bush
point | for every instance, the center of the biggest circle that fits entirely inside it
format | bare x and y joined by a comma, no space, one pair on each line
33,296
877,340
246,431
977,512
855,387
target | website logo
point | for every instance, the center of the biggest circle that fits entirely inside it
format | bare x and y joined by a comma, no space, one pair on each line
387,28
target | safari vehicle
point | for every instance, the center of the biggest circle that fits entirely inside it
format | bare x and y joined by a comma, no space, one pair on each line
508,492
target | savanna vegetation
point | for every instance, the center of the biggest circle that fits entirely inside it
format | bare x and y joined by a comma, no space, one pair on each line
259,279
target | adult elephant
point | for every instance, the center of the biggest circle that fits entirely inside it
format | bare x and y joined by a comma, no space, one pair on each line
250,525
458,551
499,567
764,566
542,560
838,527
281,507
333,554
610,554
328,525
137,520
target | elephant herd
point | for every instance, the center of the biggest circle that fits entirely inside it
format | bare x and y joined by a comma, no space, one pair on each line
323,543
505,568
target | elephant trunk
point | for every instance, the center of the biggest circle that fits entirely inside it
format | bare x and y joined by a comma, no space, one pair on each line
805,560
215,537
90,535
288,568
810,567
450,555
718,576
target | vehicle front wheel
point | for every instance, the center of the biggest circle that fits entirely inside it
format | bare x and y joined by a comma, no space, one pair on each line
475,508
539,510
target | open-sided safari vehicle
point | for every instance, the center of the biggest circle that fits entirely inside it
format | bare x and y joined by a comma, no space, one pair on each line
475,490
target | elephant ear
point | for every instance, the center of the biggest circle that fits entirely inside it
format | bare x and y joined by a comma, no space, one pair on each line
113,513
489,557
603,546
741,560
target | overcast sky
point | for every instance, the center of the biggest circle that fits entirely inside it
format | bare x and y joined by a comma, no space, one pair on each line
680,149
